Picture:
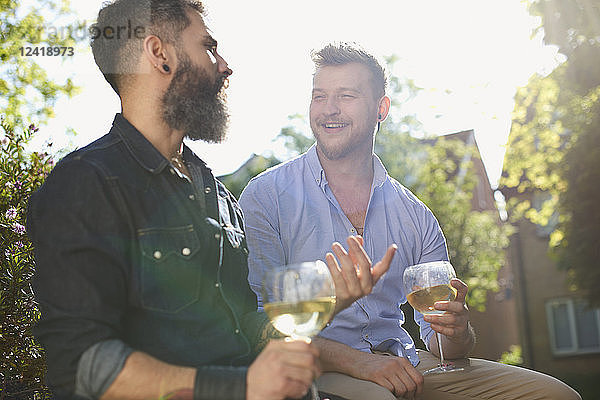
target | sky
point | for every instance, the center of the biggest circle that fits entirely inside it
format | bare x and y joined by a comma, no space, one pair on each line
468,56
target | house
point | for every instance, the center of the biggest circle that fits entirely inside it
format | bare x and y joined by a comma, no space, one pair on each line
559,334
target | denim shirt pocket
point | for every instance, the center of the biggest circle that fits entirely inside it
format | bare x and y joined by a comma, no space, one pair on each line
170,275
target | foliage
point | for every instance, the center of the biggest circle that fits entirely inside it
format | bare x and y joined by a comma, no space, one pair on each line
23,82
576,241
237,181
294,140
552,160
22,362
535,150
513,356
573,27
476,239
25,89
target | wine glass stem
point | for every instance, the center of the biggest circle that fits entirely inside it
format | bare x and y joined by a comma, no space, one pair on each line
314,393
439,340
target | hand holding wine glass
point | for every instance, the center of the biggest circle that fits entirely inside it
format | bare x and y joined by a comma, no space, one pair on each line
453,322
299,300
431,290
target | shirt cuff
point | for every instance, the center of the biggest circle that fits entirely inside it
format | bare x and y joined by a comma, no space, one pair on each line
98,367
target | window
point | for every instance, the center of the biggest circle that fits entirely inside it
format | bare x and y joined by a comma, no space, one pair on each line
574,327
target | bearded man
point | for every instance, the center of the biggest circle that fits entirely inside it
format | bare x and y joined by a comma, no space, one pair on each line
141,254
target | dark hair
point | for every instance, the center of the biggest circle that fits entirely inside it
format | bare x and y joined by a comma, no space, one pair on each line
346,53
118,34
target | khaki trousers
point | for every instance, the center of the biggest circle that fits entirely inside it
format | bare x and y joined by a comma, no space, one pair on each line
481,379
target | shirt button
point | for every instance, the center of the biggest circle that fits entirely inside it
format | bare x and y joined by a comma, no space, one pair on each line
192,197
157,254
217,285
186,251
237,331
207,190
172,171
367,336
217,236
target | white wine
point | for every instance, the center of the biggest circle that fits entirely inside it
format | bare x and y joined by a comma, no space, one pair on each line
423,300
305,318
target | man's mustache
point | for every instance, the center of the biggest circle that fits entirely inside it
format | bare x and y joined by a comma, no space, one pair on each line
221,84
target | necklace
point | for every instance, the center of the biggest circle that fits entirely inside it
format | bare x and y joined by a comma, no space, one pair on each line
177,161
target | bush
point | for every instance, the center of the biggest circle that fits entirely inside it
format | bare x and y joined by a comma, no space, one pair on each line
22,363
513,356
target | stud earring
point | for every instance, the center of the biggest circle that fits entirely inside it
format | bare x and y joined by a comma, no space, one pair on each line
166,68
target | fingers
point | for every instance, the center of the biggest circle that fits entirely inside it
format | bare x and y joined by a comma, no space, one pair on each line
453,325
349,273
382,266
283,369
461,289
346,290
351,270
452,307
358,254
336,275
297,346
448,331
356,264
399,376
411,379
360,240
360,258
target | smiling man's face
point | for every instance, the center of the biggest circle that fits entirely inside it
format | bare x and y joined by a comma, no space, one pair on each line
343,110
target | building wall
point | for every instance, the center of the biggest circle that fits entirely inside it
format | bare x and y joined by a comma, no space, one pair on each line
538,280
497,326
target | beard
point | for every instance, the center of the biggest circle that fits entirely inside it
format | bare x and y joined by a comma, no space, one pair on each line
194,104
342,147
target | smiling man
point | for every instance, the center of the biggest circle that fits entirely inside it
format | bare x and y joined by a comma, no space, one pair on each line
141,257
340,187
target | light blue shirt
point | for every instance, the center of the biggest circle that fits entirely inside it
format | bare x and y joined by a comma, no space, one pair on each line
292,216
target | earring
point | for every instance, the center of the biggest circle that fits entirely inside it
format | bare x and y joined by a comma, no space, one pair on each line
166,68
379,116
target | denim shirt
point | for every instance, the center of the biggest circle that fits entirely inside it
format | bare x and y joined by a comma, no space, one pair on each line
292,215
127,248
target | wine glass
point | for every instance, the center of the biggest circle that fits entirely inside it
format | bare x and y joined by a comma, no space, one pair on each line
299,300
426,284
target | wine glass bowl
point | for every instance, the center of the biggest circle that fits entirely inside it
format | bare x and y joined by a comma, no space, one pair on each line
299,300
424,285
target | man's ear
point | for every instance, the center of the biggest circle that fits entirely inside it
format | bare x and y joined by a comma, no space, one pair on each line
383,108
157,54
